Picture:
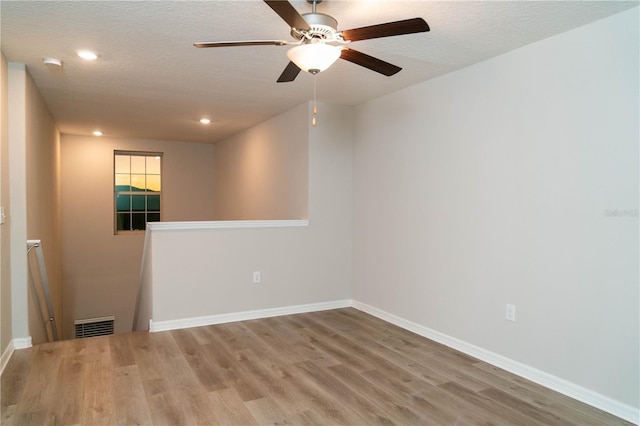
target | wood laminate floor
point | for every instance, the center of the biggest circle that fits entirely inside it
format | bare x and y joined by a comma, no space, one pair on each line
332,367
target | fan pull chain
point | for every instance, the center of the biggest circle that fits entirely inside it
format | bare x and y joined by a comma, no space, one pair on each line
315,105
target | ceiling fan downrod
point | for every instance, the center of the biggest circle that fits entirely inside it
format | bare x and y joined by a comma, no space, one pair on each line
313,4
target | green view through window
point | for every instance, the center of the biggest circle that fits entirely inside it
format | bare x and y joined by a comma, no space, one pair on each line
137,189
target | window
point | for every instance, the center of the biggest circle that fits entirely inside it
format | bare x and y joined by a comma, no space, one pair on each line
137,189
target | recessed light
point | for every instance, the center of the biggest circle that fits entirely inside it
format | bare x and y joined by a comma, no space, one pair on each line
205,121
97,133
87,54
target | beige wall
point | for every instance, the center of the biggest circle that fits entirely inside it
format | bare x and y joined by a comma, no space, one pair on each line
5,234
100,269
33,207
43,206
262,173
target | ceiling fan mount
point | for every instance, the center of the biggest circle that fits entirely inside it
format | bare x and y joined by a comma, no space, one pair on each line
321,26
318,43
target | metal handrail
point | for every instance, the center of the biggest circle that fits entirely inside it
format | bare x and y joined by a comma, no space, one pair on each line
37,244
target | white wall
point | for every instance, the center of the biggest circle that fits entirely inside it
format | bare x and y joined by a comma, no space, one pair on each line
17,215
495,184
5,234
101,269
264,178
209,272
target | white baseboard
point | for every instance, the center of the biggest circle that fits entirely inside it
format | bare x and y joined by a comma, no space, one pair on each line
550,381
246,315
20,343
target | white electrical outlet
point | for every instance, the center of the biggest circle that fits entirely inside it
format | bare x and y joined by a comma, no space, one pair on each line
511,312
257,277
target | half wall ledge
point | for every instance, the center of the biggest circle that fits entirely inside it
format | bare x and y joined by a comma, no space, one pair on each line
226,224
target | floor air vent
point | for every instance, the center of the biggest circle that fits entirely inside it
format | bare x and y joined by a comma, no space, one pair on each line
91,327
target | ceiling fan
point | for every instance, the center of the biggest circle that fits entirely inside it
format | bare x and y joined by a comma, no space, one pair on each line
318,43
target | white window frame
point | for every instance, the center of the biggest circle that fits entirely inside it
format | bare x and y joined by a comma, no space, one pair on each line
116,193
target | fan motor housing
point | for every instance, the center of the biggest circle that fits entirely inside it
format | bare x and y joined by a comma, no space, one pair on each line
320,26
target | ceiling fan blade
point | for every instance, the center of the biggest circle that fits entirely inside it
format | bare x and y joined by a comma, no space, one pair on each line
290,73
408,26
374,64
242,43
286,11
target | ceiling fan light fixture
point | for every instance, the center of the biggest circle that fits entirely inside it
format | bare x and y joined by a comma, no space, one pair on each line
314,57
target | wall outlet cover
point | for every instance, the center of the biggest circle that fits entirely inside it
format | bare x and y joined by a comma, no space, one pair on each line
511,312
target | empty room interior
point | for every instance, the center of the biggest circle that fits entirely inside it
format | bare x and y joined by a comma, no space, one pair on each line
320,212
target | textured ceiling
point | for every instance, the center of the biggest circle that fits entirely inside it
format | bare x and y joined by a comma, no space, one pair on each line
150,82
